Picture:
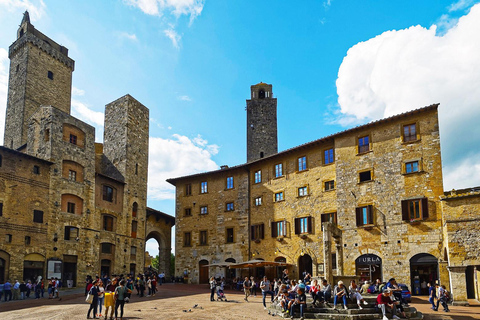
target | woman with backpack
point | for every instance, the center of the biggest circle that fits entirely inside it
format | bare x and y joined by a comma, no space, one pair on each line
120,295
93,291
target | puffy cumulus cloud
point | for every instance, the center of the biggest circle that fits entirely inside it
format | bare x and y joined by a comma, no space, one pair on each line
406,69
176,157
95,118
35,8
3,88
173,36
465,173
192,8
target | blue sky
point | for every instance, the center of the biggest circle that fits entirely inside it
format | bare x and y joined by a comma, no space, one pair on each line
333,65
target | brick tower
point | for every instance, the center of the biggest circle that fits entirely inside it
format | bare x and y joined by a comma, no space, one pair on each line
40,74
261,122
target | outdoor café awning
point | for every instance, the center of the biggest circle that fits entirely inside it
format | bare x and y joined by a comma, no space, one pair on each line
259,263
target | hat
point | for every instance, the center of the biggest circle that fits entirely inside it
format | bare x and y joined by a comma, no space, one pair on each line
366,282
340,282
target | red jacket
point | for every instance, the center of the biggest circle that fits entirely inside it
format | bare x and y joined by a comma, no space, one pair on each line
381,299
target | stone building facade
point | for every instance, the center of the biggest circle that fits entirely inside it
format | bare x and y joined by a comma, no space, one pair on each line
70,207
361,203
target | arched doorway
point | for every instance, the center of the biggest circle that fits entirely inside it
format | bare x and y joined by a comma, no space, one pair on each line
369,267
423,269
33,266
203,271
278,269
304,265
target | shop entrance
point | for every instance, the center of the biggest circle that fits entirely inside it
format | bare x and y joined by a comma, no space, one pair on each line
33,266
69,271
423,270
304,265
369,267
2,270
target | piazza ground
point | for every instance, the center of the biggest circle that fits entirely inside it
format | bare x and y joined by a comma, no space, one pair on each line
172,299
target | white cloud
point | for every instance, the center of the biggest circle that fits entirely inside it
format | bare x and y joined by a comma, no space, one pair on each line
464,174
3,89
176,157
77,92
184,98
460,5
84,113
402,70
327,4
192,8
36,8
129,36
173,36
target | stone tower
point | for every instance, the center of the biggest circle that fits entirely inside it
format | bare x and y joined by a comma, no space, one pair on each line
40,74
261,122
125,144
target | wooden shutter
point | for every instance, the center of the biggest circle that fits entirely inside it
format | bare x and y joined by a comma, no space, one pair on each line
252,232
261,231
370,215
309,225
274,229
425,208
359,216
405,216
297,226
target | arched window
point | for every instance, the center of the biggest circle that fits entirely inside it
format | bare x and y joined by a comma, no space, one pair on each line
261,94
134,209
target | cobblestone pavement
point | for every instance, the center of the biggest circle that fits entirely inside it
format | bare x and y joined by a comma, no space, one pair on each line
177,301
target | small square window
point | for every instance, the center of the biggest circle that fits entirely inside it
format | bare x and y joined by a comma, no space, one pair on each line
36,169
70,207
410,133
203,187
188,212
328,156
278,170
50,75
411,167
73,139
279,196
107,247
329,217
302,163
1,209
8,238
329,185
258,201
38,216
107,193
72,175
302,191
204,210
258,176
364,216
365,176
230,183
229,206
17,68
28,240
363,144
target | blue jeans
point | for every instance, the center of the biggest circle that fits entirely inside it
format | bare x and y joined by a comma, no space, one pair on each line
292,309
100,304
264,294
327,296
336,298
431,301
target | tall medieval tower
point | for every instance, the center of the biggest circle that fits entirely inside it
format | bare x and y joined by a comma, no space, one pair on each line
40,74
261,122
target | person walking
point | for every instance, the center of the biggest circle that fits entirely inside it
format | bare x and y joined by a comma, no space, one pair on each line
247,285
94,304
266,289
7,291
213,285
120,295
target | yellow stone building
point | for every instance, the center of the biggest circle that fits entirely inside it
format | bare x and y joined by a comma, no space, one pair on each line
364,203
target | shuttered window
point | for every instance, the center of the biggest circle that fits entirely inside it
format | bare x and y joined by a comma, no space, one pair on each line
257,232
364,216
279,229
415,209
303,225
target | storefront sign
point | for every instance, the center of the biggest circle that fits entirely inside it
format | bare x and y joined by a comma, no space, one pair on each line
54,269
368,259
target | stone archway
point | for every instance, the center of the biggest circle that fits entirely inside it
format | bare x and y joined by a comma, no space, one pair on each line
159,227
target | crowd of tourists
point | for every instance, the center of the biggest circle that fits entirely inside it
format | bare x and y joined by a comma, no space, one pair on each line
111,294
291,295
29,289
